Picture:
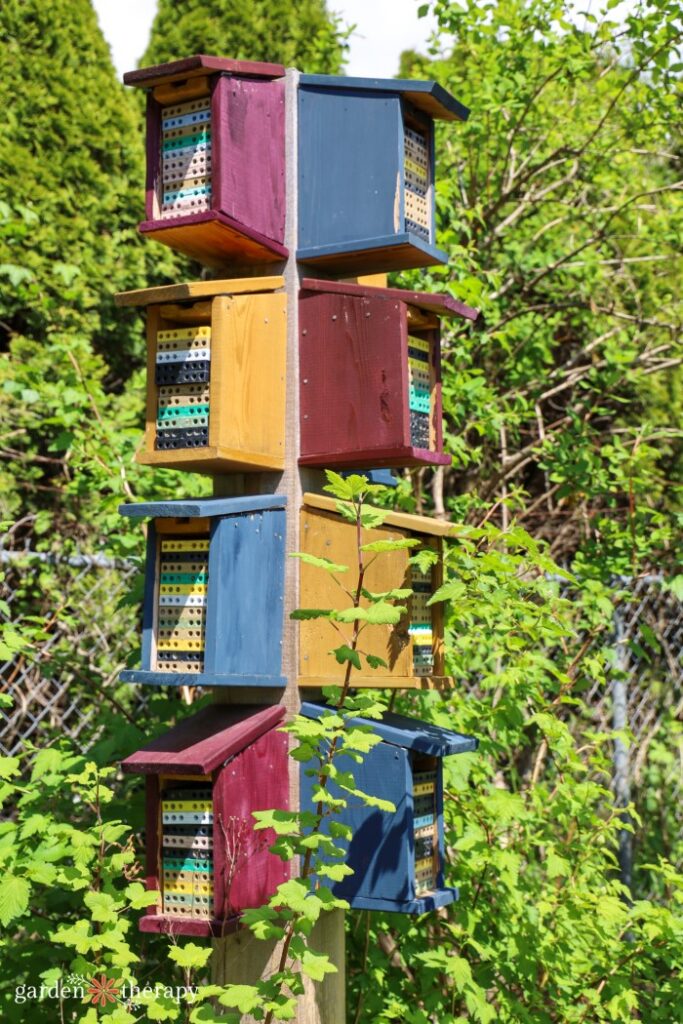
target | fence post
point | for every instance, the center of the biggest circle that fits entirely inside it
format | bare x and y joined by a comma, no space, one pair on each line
622,779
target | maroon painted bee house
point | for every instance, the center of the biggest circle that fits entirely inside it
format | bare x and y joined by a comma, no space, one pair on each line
215,158
238,752
370,375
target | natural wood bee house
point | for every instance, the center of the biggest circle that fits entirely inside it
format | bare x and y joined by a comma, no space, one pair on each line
216,354
413,649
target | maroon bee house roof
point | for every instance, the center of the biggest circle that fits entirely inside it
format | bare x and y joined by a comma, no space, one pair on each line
438,302
200,64
202,743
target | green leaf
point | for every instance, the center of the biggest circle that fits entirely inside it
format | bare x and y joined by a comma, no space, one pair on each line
344,654
244,997
320,563
303,614
375,662
316,966
102,906
390,545
14,897
190,956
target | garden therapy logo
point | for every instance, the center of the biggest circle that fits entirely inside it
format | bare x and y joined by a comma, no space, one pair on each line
103,990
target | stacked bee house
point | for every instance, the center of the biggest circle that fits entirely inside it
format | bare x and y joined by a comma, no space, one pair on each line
222,355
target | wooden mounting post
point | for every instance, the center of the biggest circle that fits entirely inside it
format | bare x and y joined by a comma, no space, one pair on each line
241,958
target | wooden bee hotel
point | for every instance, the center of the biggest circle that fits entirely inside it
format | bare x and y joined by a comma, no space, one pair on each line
204,779
397,858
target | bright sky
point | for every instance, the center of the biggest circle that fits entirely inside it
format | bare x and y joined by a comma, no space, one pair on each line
384,29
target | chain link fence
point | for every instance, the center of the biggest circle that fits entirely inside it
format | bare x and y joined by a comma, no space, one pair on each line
58,684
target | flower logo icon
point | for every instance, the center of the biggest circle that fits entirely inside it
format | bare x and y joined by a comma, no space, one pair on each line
103,990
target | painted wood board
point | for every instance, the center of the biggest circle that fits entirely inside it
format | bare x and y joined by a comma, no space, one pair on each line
199,64
409,733
245,611
199,290
427,96
214,239
209,507
356,403
348,189
403,251
402,520
200,744
248,374
249,163
427,301
325,535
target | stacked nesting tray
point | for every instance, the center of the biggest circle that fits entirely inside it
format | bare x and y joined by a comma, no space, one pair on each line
425,831
419,391
416,195
183,371
420,628
187,850
186,158
181,609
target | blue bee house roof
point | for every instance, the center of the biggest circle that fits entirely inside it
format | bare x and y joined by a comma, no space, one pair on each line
410,733
430,97
205,507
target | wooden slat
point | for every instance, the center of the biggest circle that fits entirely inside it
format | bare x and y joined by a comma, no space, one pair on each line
198,290
199,64
202,743
428,301
402,520
215,239
248,376
326,535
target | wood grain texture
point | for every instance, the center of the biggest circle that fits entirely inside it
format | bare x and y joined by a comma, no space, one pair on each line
248,367
428,302
199,290
349,164
212,460
326,535
403,251
199,64
200,744
244,616
403,520
248,125
427,96
214,239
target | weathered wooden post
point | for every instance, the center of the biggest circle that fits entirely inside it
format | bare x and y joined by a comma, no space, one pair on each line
283,183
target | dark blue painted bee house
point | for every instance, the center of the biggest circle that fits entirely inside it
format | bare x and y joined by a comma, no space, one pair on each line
214,568
397,858
366,172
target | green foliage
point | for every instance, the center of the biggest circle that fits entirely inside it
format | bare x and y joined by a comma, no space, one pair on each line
304,35
558,202
71,182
